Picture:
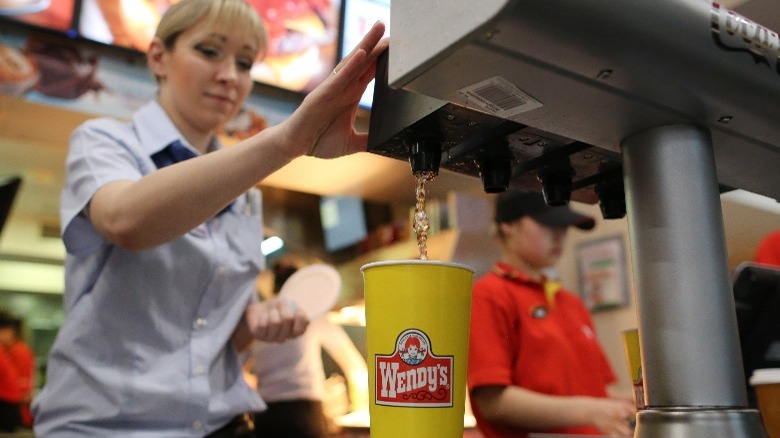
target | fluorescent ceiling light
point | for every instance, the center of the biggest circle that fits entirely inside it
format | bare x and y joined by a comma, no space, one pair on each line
271,244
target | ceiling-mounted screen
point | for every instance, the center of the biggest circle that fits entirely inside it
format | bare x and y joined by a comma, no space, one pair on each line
55,15
359,16
303,35
343,221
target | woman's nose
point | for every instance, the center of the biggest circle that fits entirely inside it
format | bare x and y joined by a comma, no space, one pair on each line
228,71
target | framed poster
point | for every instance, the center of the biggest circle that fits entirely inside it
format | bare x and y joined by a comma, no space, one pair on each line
603,277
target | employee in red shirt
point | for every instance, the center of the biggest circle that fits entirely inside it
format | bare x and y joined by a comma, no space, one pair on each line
11,393
535,364
24,359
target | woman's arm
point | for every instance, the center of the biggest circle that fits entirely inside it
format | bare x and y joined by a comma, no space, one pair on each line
167,203
528,410
340,347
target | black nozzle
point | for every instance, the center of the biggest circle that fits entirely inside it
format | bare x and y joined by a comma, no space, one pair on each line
495,172
557,184
424,157
612,196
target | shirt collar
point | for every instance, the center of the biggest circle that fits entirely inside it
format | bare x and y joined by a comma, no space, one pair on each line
503,269
156,129
548,286
507,271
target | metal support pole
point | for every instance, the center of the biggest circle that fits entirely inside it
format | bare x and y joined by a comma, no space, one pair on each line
691,359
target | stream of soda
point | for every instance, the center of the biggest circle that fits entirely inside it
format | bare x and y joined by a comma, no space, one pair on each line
421,222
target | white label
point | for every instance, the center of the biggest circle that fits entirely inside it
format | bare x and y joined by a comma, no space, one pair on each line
499,97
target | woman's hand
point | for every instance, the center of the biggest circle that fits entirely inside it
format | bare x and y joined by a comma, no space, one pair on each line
613,417
275,320
323,126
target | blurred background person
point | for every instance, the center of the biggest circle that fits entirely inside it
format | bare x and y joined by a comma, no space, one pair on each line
535,363
11,389
24,359
291,376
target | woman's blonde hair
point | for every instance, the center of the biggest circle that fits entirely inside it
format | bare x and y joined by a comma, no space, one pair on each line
227,15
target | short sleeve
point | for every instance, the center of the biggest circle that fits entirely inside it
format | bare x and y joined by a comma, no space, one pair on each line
492,337
97,155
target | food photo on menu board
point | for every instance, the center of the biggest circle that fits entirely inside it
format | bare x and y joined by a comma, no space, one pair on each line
302,46
49,14
52,66
59,72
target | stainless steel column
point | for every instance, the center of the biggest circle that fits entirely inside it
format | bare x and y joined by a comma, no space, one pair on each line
690,347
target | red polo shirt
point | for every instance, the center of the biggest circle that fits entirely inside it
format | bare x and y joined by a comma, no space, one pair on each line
24,359
10,391
519,339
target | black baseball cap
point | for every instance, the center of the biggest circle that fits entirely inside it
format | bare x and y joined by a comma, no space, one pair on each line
514,204
6,319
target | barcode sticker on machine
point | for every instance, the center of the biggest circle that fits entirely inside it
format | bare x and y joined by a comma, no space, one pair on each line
499,97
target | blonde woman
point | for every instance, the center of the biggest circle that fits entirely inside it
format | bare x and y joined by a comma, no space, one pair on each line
163,250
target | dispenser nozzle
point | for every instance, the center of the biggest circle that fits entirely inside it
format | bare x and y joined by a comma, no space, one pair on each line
424,157
612,196
557,184
495,172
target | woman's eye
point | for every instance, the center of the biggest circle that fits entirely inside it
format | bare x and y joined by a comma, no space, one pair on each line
244,64
208,51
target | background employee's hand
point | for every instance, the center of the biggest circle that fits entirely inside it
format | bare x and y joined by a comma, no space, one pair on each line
275,320
613,416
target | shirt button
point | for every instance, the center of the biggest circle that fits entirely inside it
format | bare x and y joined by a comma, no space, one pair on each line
215,222
197,424
199,369
220,270
201,322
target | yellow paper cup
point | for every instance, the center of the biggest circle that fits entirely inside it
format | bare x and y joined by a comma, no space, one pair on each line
634,358
417,339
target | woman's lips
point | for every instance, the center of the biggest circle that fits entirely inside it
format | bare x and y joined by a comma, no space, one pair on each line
220,100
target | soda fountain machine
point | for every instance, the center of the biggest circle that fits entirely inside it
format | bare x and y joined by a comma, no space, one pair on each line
650,108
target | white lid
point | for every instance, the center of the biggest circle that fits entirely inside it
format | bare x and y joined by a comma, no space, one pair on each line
314,288
764,376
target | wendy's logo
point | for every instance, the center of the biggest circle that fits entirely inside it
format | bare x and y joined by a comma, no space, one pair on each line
412,376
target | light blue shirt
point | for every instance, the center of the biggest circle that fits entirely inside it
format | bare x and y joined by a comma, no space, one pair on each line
145,348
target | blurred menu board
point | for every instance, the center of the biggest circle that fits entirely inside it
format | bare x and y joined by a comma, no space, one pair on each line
49,14
303,35
359,16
